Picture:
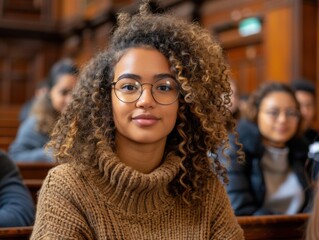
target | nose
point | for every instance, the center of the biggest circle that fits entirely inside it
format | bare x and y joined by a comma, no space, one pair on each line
146,99
282,117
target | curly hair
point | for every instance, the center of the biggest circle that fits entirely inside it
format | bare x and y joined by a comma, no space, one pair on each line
254,101
86,132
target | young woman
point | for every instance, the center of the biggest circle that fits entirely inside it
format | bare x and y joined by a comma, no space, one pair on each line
33,133
133,143
272,179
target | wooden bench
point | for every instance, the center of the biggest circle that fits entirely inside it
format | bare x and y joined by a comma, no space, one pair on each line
9,124
33,175
274,227
34,186
38,170
15,233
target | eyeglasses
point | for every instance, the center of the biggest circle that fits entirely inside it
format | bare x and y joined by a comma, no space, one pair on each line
289,114
164,91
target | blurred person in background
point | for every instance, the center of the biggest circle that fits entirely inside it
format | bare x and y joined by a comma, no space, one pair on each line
272,179
234,100
41,90
16,204
305,92
34,132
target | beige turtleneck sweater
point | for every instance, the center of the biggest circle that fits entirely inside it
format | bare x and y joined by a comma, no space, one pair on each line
127,204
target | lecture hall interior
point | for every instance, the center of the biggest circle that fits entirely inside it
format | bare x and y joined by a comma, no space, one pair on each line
262,40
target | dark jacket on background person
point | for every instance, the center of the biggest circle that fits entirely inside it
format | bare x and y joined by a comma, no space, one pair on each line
29,143
16,204
247,188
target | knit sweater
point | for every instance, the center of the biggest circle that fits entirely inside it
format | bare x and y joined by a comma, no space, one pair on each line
122,203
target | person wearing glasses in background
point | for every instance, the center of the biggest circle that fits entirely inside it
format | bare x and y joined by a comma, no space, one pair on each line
272,179
133,143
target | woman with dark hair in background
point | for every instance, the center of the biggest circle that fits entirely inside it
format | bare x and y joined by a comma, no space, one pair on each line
34,132
272,179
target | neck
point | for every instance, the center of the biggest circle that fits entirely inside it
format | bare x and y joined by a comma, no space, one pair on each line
274,144
140,156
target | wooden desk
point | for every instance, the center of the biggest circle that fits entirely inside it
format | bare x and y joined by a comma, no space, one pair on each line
15,233
38,170
274,227
34,186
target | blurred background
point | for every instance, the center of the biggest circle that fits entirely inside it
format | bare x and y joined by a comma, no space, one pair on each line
262,39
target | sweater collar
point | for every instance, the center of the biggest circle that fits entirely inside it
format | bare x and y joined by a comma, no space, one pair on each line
135,192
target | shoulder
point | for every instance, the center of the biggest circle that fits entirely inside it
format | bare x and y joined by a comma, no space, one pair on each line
216,188
30,121
62,171
28,125
249,135
70,175
247,127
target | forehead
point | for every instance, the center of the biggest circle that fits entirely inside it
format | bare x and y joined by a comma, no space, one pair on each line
304,95
142,60
278,100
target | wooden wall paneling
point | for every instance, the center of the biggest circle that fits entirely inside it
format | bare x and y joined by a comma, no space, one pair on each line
20,79
25,9
70,10
219,13
281,49
25,63
247,67
244,54
86,50
102,35
309,45
4,80
317,73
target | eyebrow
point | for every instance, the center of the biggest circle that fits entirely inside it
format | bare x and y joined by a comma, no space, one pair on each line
138,78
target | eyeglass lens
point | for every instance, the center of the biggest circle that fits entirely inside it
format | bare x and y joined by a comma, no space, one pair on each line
164,91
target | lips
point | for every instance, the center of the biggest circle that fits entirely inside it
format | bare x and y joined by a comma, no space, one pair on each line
145,120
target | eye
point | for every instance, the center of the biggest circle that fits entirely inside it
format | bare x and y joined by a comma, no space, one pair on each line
65,92
273,113
127,86
164,88
165,85
292,113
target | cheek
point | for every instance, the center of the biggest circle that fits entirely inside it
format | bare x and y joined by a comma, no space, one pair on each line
56,100
264,126
120,111
172,116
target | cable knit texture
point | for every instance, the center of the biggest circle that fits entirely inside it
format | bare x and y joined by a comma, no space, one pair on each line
121,203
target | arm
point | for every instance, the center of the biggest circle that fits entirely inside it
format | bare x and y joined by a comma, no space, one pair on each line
29,144
58,214
223,223
16,204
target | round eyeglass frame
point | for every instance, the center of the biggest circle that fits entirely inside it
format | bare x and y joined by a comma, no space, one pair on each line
141,92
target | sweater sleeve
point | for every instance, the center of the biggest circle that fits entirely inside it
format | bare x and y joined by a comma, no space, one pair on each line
29,144
16,204
224,224
58,214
